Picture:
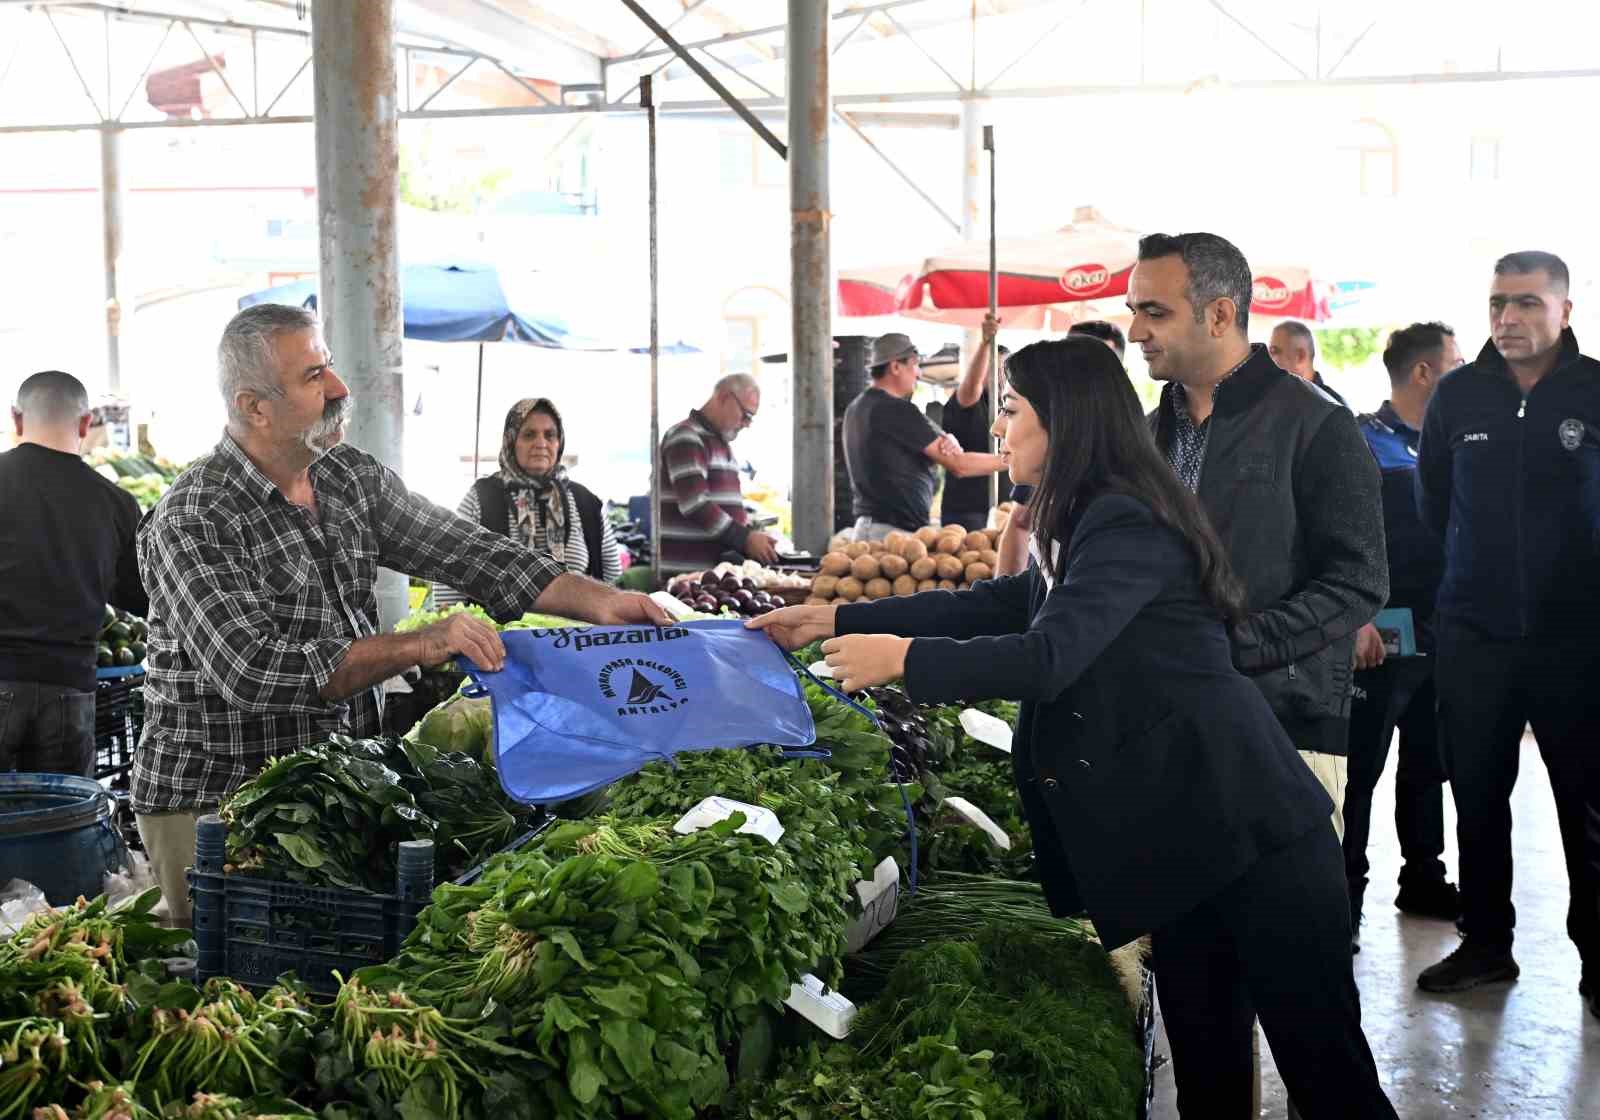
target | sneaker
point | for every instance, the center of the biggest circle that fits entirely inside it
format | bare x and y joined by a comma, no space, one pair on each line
1437,899
1471,965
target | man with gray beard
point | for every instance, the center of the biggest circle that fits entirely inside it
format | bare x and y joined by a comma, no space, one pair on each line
261,563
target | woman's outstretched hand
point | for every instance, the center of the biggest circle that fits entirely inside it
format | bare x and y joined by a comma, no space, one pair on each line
795,627
863,660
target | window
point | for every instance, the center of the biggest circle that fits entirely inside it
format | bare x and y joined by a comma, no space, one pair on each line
1485,159
1370,158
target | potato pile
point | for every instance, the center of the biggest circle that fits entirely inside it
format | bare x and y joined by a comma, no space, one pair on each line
904,564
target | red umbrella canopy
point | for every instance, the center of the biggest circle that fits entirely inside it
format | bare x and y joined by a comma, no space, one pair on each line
1088,260
1290,292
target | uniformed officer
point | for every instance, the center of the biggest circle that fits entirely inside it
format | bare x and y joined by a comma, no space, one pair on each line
1395,689
1506,470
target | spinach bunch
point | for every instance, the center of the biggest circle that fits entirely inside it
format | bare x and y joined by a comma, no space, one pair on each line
328,815
587,965
928,1079
474,817
765,925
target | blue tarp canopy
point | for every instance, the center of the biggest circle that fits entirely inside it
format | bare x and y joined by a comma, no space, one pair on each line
453,303
468,303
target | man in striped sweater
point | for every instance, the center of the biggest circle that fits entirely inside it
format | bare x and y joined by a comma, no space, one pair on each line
702,506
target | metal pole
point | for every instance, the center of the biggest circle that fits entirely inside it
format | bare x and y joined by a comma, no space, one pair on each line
658,471
994,307
112,197
358,168
811,274
477,418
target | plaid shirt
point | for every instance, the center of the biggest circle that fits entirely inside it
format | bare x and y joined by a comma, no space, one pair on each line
254,602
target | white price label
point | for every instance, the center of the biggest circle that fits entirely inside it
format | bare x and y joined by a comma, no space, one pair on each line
758,821
986,729
978,817
830,1011
821,670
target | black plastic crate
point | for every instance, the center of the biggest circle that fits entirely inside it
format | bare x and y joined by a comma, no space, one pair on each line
252,930
118,723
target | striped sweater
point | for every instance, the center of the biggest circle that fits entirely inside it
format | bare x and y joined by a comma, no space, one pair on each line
702,506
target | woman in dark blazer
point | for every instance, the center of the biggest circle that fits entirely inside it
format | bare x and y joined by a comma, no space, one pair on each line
1163,796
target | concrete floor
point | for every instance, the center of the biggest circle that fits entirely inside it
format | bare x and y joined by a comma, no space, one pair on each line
1527,1050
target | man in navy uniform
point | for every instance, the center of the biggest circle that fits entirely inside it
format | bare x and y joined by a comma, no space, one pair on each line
1393,691
1506,476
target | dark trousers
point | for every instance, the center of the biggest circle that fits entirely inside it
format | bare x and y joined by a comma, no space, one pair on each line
1398,694
46,728
1488,692
1273,945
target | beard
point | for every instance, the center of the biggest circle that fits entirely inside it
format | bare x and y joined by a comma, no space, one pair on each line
328,432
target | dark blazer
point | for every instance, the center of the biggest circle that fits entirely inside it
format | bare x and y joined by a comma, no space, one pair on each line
1152,773
1292,489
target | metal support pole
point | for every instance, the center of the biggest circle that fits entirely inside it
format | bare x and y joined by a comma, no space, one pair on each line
112,198
658,465
811,274
358,168
477,419
994,309
973,112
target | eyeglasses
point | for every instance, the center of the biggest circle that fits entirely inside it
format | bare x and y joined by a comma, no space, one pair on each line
749,417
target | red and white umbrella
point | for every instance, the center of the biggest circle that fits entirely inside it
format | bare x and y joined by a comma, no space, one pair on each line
1087,260
1291,292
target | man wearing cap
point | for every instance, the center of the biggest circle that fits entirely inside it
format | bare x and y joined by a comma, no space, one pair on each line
892,449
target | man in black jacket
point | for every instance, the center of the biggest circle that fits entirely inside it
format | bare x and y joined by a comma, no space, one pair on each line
1294,348
1286,478
1508,471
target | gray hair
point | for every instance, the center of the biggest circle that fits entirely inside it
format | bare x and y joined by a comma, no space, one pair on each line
246,360
1535,260
1301,333
738,383
1217,270
52,399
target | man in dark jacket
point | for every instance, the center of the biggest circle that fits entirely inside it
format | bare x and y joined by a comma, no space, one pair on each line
1285,477
1294,348
1507,474
1396,691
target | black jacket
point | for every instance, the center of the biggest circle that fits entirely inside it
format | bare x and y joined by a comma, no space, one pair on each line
1152,773
1293,491
1509,483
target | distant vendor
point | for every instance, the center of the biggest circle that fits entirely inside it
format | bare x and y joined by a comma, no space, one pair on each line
66,551
893,451
261,563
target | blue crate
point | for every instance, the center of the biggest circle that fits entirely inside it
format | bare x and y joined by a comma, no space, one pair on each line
118,723
253,930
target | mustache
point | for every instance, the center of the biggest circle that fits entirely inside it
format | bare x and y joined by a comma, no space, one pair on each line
334,414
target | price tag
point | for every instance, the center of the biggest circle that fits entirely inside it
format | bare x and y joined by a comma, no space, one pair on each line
880,901
986,729
758,821
978,817
830,1011
821,670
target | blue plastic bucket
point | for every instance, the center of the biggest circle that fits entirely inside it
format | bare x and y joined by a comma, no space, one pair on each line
56,833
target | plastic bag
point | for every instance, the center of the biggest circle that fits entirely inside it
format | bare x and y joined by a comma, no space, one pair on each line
135,879
575,709
19,899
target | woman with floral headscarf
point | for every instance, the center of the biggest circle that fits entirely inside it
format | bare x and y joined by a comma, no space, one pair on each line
531,500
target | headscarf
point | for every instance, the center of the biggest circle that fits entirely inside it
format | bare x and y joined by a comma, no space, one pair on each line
538,501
